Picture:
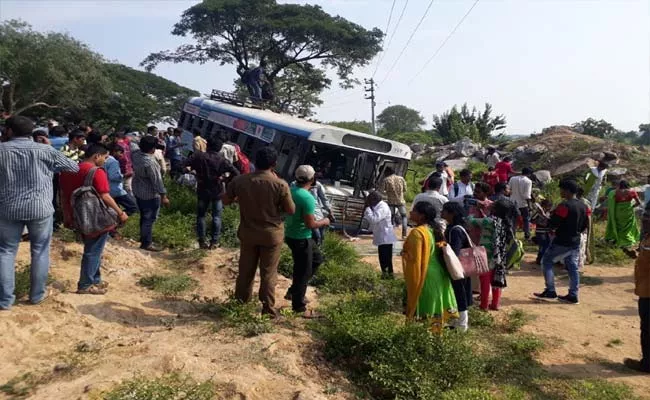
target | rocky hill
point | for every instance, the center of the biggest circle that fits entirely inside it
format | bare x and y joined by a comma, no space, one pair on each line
558,149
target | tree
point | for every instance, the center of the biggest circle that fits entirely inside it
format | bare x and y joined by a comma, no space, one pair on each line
359,126
398,118
597,128
245,32
453,125
644,139
50,70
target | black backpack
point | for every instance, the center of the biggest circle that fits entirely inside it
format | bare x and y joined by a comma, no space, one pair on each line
92,217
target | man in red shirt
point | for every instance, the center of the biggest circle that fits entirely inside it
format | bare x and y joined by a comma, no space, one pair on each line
90,281
504,169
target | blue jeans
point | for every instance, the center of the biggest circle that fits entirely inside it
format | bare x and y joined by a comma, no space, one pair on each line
525,216
128,204
318,235
40,235
148,215
571,256
216,207
543,241
91,262
401,209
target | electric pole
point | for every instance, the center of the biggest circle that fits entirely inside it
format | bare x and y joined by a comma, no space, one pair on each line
371,83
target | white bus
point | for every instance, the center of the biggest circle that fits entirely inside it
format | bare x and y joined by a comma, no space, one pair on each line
348,163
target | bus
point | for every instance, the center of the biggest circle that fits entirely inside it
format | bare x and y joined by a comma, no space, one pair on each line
348,163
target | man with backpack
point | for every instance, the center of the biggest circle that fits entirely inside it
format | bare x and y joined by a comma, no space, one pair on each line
26,174
80,204
463,188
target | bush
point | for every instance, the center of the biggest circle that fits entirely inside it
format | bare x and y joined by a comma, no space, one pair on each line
243,318
170,285
174,231
173,386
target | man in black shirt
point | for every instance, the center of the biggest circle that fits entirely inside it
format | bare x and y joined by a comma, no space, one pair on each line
569,220
212,171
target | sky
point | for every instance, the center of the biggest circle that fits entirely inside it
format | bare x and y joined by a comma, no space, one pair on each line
538,62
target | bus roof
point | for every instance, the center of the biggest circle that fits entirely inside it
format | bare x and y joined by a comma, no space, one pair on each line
313,131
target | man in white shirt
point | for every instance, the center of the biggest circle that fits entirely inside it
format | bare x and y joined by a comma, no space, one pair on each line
492,157
379,216
521,188
594,182
442,174
433,197
462,188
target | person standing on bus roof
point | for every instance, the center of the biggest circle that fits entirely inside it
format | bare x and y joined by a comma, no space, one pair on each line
393,187
262,198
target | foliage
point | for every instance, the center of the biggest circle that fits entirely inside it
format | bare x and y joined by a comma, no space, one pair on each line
283,35
172,231
169,285
477,168
46,70
597,128
23,281
243,318
426,138
172,386
644,139
399,118
453,125
359,126
285,266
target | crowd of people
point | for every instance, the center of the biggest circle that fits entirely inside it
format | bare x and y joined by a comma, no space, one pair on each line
456,223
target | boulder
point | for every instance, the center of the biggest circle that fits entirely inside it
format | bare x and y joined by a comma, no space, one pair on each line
458,163
466,147
480,154
442,155
609,156
417,148
536,149
543,176
617,171
573,166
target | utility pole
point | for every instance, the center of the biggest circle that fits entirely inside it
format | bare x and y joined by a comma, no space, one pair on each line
371,83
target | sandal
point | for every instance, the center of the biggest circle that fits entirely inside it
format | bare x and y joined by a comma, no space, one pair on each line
93,289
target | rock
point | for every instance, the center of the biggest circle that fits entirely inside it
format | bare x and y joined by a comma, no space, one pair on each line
536,149
417,148
617,171
520,149
466,147
458,163
572,166
63,367
442,155
88,346
609,156
543,176
480,154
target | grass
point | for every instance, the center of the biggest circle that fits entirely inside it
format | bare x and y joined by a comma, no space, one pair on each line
172,386
242,318
169,285
614,342
23,281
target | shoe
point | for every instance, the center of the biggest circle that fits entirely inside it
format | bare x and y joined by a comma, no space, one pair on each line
203,245
547,295
636,365
102,284
493,307
151,248
46,296
214,245
92,289
569,299
289,297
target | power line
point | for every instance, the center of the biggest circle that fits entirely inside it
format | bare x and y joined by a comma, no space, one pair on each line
390,40
444,42
408,41
381,56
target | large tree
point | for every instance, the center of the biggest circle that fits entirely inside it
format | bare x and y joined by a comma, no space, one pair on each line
455,124
245,32
644,139
359,126
598,128
399,118
50,70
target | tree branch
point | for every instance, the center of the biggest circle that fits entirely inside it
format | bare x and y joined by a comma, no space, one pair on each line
38,104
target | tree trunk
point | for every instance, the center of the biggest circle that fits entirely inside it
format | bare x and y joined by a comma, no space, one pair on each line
8,98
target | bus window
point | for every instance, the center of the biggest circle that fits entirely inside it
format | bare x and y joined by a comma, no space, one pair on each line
189,122
181,120
208,129
199,123
288,154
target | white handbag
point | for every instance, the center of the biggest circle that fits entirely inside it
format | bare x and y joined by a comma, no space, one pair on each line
452,262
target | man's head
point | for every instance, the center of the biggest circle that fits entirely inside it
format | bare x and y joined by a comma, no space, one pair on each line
116,151
507,159
568,188
623,184
266,158
501,188
51,124
490,150
440,166
546,204
481,190
490,169
196,132
465,176
178,132
39,136
214,143
58,131
602,165
527,171
152,130
95,137
96,154
389,171
373,198
434,183
85,127
18,127
149,144
305,175
77,138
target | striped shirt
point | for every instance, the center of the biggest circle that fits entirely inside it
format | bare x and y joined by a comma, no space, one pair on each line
147,180
26,174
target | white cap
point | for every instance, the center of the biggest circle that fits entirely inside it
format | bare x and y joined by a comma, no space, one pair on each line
305,173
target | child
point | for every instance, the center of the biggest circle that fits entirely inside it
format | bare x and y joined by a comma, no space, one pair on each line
378,215
540,216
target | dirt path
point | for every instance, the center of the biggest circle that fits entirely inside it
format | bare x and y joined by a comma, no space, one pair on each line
589,340
97,341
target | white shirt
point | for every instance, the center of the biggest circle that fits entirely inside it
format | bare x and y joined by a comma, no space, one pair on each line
521,188
432,197
229,152
379,218
492,159
464,189
592,196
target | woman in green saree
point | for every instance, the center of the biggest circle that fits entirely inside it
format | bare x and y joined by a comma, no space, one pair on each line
622,226
429,294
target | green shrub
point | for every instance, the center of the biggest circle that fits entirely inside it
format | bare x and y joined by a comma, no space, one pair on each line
243,318
515,320
174,231
172,386
590,389
169,285
477,168
337,251
469,394
480,319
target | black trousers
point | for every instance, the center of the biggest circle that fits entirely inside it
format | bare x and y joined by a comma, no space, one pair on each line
306,260
386,258
463,292
644,314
